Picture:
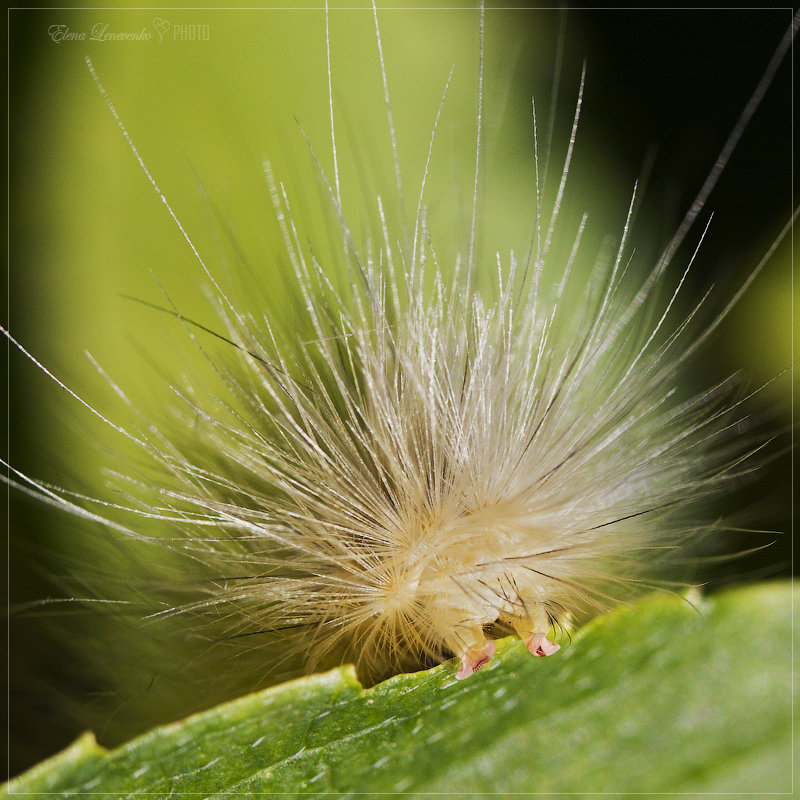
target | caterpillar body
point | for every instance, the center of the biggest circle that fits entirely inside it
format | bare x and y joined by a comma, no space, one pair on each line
428,457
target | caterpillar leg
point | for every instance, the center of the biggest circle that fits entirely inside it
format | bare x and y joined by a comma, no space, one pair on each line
480,649
475,656
537,642
540,645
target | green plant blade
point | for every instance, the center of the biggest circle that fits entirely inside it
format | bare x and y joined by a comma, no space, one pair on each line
661,697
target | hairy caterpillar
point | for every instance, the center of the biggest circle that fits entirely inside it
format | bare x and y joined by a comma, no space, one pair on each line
444,417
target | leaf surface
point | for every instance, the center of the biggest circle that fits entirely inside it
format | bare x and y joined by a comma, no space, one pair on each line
660,697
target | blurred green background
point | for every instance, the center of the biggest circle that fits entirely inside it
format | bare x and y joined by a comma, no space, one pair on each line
86,229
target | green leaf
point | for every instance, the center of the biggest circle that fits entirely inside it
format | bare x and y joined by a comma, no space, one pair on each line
664,696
